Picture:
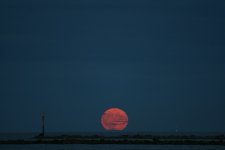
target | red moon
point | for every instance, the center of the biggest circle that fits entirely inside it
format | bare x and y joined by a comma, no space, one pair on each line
114,119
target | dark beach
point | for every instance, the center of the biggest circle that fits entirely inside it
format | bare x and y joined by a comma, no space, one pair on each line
123,139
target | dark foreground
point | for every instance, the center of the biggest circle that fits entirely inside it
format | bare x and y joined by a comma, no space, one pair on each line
123,139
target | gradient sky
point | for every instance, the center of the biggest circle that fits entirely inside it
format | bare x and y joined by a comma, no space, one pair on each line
162,61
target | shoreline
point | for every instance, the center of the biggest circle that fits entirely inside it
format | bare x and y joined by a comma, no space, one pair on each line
123,139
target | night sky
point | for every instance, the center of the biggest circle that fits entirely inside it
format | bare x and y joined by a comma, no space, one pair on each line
162,61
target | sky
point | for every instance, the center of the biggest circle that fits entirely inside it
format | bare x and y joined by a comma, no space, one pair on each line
161,61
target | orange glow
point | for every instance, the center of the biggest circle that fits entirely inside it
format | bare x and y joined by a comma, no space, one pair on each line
114,119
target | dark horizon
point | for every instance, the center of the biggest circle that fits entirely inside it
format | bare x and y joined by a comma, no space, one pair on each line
162,62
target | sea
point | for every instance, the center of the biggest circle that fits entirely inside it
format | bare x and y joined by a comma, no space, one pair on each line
108,147
27,136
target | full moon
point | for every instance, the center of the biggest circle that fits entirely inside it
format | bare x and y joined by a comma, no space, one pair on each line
114,119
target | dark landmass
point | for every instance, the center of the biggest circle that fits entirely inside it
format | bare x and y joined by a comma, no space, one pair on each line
123,139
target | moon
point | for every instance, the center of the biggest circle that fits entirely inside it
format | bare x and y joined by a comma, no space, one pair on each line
114,119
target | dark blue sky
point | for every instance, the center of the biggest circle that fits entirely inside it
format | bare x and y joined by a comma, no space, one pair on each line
162,61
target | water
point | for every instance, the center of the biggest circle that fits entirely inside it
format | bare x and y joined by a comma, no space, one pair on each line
108,147
17,136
